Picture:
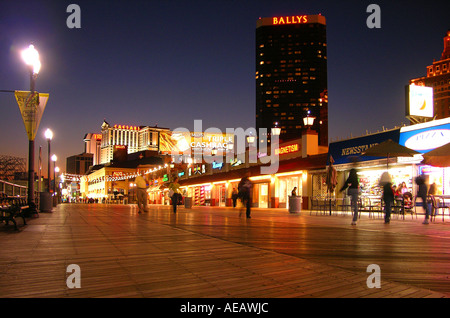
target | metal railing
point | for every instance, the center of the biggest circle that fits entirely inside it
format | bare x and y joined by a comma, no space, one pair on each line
13,190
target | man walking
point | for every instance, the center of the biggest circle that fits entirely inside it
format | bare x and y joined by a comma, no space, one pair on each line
141,185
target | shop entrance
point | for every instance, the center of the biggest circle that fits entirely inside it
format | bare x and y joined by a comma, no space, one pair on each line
287,184
263,201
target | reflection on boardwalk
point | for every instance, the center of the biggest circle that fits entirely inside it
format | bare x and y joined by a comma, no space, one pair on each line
212,252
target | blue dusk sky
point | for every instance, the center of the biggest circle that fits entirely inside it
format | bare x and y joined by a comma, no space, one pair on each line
172,62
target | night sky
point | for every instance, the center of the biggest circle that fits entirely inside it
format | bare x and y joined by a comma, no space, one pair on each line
171,62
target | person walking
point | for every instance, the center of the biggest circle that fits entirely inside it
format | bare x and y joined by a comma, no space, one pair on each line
388,196
234,197
141,186
245,193
422,193
175,188
352,183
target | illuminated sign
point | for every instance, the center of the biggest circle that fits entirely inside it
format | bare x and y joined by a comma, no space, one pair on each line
117,174
179,142
200,169
126,127
429,139
295,19
235,162
97,136
419,101
287,149
291,20
217,165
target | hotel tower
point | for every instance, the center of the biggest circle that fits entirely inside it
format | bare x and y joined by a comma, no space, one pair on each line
291,75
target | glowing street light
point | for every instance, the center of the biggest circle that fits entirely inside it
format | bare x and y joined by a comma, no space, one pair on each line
31,58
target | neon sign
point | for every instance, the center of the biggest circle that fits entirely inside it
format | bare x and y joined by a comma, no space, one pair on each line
287,149
295,19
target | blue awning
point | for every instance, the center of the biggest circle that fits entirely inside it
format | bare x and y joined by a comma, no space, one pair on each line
344,151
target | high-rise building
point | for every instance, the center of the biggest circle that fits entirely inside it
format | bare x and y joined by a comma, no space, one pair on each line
438,77
92,145
291,75
134,138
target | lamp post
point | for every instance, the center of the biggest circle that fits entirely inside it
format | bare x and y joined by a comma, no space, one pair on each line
48,136
57,187
54,158
31,58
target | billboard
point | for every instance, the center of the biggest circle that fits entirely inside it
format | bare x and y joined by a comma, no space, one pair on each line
419,101
179,142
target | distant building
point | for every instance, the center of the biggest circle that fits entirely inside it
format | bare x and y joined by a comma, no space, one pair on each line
13,168
79,164
135,138
438,77
92,145
291,75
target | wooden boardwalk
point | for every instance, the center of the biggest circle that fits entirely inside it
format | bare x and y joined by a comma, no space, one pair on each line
214,253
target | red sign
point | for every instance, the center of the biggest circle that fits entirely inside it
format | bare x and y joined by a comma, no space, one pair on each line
295,19
287,149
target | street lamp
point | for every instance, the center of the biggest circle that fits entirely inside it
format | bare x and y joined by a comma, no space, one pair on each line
31,58
57,187
276,130
251,138
48,136
308,120
54,158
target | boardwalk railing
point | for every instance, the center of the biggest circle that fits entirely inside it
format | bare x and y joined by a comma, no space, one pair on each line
13,190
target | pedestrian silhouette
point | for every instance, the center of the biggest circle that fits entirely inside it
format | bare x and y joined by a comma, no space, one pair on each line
245,194
352,183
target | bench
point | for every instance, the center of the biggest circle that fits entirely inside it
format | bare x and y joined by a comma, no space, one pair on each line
12,208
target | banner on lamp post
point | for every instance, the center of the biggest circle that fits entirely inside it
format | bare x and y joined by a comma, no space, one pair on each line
31,105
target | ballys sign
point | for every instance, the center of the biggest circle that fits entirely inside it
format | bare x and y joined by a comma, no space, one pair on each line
428,140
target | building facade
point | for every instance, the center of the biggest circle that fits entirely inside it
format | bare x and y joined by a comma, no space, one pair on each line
92,146
438,77
79,164
134,138
291,75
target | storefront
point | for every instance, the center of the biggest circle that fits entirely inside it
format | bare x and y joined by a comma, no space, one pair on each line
424,138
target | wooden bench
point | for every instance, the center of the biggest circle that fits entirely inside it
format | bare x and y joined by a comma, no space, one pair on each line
12,208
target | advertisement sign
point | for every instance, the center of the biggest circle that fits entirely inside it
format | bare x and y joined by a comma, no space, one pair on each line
419,101
346,150
186,142
426,136
31,107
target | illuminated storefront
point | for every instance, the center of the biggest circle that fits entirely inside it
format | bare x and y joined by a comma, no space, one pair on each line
403,170
424,138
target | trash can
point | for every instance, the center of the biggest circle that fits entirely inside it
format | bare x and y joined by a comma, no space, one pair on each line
295,204
188,202
45,202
